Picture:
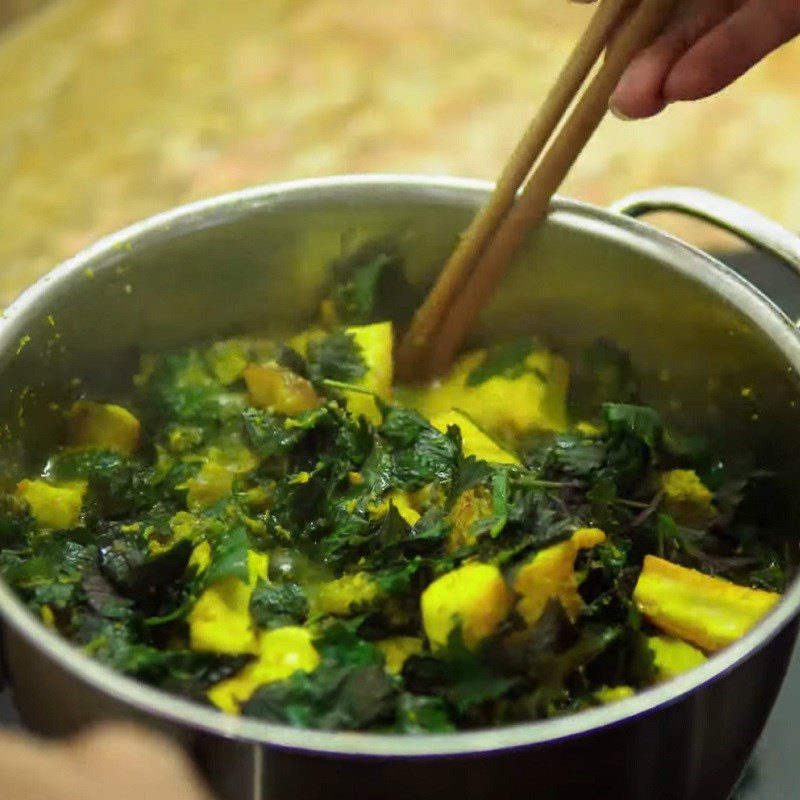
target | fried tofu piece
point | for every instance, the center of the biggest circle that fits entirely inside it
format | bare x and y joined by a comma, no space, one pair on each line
506,406
376,343
474,442
102,426
402,501
470,507
345,595
707,612
474,596
280,653
280,390
220,621
550,574
397,650
56,506
673,657
686,498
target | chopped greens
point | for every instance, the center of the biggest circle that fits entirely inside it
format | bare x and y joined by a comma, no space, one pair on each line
353,566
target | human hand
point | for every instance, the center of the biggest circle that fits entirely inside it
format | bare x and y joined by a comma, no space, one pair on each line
707,46
110,761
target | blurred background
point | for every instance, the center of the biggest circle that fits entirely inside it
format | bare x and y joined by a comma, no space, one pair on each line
111,110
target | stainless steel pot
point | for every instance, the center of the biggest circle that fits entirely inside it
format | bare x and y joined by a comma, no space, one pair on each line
255,260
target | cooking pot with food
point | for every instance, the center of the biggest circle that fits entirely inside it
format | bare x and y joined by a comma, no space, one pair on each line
715,357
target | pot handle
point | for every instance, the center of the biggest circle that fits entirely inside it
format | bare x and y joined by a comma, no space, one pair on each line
748,225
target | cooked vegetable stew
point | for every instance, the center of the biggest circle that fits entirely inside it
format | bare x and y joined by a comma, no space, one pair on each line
273,528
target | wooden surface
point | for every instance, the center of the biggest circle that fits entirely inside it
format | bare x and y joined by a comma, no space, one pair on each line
111,110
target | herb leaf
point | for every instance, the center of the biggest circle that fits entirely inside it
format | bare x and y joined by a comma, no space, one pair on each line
337,357
505,360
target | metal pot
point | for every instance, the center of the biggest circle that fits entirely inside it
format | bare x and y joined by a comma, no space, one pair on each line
715,355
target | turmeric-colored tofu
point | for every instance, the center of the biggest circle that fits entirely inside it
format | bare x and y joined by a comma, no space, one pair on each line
376,343
672,657
56,506
509,407
470,507
686,498
474,596
215,478
280,653
208,486
103,426
227,360
707,612
279,389
200,558
550,574
347,594
613,694
397,650
402,501
220,620
474,442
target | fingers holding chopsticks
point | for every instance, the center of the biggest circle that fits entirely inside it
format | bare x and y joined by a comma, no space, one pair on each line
706,47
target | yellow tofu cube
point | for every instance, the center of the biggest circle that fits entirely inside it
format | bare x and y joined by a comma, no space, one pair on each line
686,499
397,650
376,343
470,507
227,361
613,694
56,506
200,558
279,389
104,426
474,442
550,574
220,620
402,501
509,407
208,486
707,612
672,657
215,478
347,594
474,596
280,653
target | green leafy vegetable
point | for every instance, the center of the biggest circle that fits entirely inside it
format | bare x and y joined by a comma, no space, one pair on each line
507,360
276,605
229,558
336,356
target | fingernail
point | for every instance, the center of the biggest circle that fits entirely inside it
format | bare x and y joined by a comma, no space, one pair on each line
617,113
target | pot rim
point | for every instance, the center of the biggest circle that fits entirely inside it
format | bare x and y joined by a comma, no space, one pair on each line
726,283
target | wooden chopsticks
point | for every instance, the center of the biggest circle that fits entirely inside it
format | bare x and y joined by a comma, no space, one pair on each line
498,230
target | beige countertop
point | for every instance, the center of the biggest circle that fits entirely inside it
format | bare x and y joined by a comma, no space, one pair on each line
111,110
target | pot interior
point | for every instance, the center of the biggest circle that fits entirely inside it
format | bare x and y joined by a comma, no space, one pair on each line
713,357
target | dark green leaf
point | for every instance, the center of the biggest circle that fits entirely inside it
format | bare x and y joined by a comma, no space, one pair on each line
355,298
640,422
456,674
274,605
506,360
421,454
271,435
229,557
469,473
332,697
337,356
423,715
